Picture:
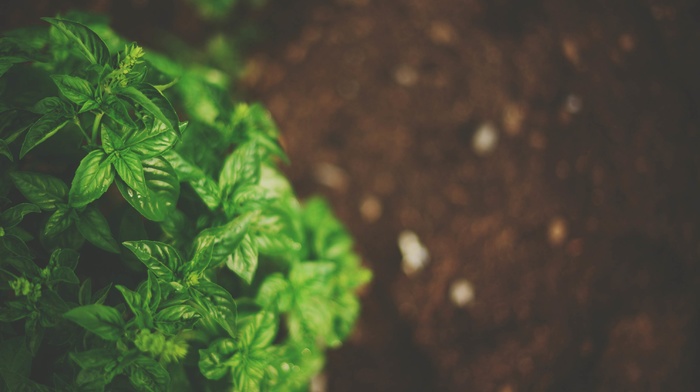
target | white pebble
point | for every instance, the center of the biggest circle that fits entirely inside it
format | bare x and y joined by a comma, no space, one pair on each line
405,75
370,209
319,383
331,176
557,231
415,254
485,139
461,293
573,103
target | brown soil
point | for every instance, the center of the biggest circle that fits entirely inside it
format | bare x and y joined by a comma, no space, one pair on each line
579,232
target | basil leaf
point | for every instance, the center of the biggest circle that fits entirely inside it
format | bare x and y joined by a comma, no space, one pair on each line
275,293
63,274
64,258
162,194
162,259
147,375
242,167
15,214
103,321
93,177
48,105
135,303
95,228
41,189
58,222
205,187
45,127
88,43
95,358
110,140
225,238
259,333
130,170
155,103
118,110
245,259
177,313
213,360
76,89
5,150
152,141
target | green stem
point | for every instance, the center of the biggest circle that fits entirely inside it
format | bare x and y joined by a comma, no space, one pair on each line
96,126
76,120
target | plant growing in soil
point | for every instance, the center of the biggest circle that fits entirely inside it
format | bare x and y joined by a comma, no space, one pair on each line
140,252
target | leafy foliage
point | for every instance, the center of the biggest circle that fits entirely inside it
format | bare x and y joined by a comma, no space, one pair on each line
223,280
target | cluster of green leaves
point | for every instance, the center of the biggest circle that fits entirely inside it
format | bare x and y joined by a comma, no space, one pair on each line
219,9
211,274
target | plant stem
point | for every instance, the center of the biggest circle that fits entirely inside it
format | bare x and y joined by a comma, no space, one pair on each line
96,126
76,120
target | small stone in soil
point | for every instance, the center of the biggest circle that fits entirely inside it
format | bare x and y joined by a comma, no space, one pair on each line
405,75
513,116
557,231
573,104
371,209
485,139
319,383
461,293
441,33
331,176
415,254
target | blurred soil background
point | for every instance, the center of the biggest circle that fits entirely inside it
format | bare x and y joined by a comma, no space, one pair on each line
543,151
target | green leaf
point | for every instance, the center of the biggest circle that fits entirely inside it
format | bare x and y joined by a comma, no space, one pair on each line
110,140
74,88
245,259
218,303
93,177
242,167
15,364
103,321
162,259
95,228
15,245
48,105
155,103
117,109
248,372
152,141
147,375
45,127
5,150
58,222
259,333
202,184
177,313
213,360
85,292
153,292
15,214
90,104
63,274
88,43
225,238
7,62
275,293
67,258
138,308
130,170
95,358
41,189
163,190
